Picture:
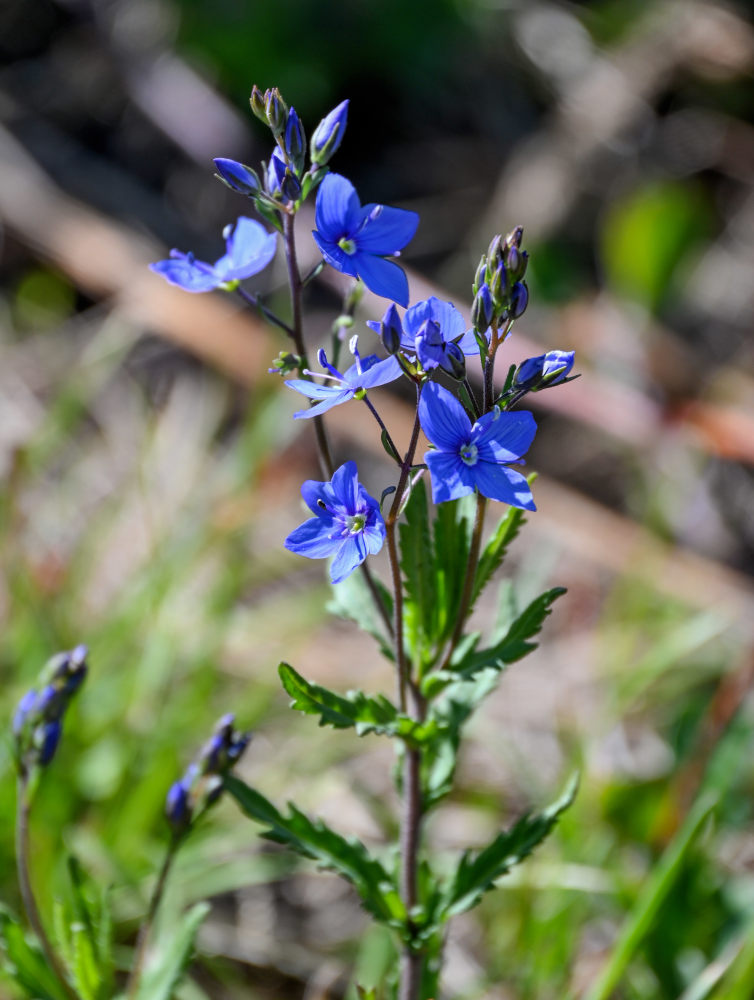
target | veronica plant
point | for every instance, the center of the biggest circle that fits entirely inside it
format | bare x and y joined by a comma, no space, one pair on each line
440,555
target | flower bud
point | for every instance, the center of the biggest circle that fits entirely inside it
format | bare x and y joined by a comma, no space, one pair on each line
454,363
290,186
257,103
328,135
391,330
482,309
295,142
494,255
519,299
237,176
543,371
480,278
499,287
276,111
285,363
46,741
177,805
513,239
275,173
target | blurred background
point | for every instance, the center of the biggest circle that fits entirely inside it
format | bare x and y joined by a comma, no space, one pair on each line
150,468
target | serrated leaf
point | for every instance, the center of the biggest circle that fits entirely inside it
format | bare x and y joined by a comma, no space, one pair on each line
417,566
84,965
365,714
478,871
515,643
165,971
313,839
351,599
24,962
495,550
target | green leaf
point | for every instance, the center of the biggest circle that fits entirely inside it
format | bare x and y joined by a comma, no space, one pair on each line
515,644
478,871
24,962
495,549
418,569
357,710
165,972
452,539
351,599
313,839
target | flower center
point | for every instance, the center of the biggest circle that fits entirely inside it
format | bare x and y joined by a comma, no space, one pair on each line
355,523
469,453
347,246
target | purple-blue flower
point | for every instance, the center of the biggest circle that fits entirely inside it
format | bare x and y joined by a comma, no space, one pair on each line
249,249
356,240
432,330
364,373
347,523
475,456
328,135
543,371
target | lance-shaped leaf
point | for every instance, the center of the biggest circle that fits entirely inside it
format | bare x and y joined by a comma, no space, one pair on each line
478,871
418,569
355,709
452,536
515,643
166,970
494,551
23,962
313,839
351,599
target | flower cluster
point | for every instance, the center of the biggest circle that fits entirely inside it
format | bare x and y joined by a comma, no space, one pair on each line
38,720
203,782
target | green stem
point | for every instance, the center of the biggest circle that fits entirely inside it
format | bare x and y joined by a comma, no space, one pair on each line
468,583
27,893
145,931
383,428
255,302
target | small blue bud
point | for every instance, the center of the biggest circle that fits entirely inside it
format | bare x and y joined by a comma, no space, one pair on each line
177,805
275,173
454,362
391,330
290,186
47,740
328,135
22,711
295,141
543,371
237,176
519,299
483,308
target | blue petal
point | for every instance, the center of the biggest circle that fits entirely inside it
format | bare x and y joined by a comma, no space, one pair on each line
387,231
312,491
311,539
341,396
187,274
250,249
445,314
380,373
383,277
468,343
352,553
337,211
443,419
374,536
345,486
312,389
334,256
450,476
498,482
504,437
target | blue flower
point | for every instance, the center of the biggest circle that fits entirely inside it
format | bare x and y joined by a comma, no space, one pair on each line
347,523
250,248
543,371
475,457
328,135
433,331
365,373
355,239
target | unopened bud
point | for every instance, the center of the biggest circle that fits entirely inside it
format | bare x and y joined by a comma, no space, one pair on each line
519,299
499,287
454,363
257,103
482,309
237,176
480,278
543,371
295,141
276,111
391,330
328,135
494,255
514,237
290,186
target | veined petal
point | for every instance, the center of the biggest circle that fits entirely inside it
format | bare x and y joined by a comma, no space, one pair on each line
380,373
188,274
250,250
445,314
504,437
312,389
351,554
388,231
334,256
468,343
498,482
345,485
311,539
383,277
450,476
341,396
374,536
338,210
443,419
